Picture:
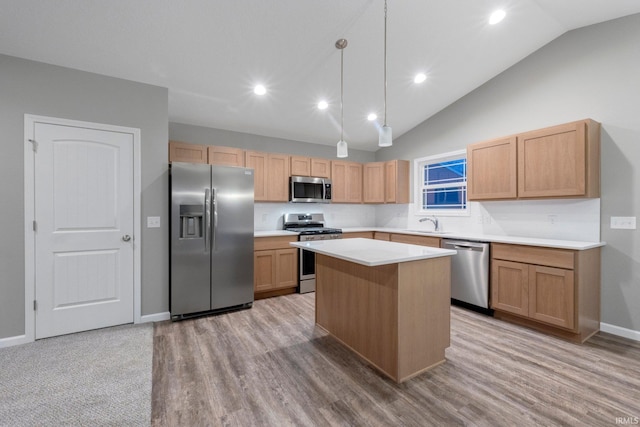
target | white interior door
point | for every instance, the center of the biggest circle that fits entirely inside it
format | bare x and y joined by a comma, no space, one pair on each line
84,212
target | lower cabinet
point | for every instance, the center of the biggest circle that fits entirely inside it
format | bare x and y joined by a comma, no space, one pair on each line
355,234
553,290
412,239
275,266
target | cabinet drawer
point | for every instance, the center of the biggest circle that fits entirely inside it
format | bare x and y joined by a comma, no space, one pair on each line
560,258
273,242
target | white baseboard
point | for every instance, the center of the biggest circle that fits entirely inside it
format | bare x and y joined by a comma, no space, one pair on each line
156,317
621,332
11,341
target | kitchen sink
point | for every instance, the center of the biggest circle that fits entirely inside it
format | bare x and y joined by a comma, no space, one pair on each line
430,232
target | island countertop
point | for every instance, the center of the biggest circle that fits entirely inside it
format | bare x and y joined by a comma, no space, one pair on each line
371,252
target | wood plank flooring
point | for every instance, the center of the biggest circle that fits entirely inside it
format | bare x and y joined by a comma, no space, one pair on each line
270,366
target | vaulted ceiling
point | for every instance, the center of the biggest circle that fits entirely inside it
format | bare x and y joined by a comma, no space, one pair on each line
211,53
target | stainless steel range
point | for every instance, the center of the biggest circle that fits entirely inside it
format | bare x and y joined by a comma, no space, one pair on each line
309,227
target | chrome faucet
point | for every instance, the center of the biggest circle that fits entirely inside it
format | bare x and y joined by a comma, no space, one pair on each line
433,219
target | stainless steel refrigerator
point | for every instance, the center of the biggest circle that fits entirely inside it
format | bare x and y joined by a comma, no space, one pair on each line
211,239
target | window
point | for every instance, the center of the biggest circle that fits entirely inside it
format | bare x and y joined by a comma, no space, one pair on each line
441,183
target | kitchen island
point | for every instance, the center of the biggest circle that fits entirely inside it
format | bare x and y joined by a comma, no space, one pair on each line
389,302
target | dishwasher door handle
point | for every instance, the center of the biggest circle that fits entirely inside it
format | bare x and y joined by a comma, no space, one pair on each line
465,245
468,247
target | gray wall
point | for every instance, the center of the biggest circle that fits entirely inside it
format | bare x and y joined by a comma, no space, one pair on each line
28,87
587,73
209,136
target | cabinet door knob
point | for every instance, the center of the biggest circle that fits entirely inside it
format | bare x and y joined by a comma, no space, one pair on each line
126,237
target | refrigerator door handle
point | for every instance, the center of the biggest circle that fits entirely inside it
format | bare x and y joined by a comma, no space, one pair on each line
215,216
207,216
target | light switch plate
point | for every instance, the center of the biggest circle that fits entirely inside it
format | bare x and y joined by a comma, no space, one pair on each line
623,222
153,222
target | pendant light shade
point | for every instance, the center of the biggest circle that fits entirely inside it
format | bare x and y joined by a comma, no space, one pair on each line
342,150
385,136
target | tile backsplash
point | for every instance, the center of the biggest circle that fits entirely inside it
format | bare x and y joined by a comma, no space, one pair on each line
565,219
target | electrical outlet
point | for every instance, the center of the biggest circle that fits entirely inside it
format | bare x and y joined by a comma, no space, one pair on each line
153,222
623,222
552,218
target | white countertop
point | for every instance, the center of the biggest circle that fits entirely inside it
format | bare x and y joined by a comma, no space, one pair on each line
493,238
372,252
513,240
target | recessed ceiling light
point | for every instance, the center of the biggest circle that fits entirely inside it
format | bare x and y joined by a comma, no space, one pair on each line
322,105
259,90
419,78
372,116
497,16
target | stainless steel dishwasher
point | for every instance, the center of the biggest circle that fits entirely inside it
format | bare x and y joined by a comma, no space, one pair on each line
469,272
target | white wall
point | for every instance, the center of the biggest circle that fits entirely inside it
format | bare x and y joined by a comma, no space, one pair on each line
268,216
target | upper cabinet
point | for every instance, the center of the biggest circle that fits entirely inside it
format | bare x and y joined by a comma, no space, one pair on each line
559,161
396,181
346,180
184,152
226,156
300,166
310,166
386,182
271,176
491,170
352,182
373,182
320,168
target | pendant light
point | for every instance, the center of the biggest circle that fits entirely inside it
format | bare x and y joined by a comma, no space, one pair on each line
342,145
384,137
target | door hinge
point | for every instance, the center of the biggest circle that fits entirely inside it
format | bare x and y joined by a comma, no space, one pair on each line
35,225
34,145
35,305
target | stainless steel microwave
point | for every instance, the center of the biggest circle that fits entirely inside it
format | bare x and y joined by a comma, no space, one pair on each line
305,189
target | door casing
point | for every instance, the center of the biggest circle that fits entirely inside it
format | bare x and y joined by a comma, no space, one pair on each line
29,214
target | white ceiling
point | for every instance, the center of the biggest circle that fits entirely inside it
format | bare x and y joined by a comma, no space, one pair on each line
210,54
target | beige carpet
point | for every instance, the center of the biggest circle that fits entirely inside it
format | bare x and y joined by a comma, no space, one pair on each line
95,378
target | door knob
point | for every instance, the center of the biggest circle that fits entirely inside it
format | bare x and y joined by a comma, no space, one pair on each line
126,237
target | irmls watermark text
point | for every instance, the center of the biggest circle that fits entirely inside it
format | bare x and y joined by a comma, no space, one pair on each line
627,421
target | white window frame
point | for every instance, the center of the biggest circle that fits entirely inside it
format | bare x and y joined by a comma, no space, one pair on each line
418,165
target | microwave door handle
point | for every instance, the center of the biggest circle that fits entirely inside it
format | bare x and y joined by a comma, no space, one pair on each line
207,217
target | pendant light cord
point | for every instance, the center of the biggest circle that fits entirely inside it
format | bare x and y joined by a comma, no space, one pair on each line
385,62
341,94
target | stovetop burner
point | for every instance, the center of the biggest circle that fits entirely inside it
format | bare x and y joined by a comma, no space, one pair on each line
307,224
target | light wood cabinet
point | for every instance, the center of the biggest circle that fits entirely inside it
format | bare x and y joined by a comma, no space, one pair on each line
396,182
275,264
412,239
346,182
356,234
373,190
558,161
386,182
184,152
379,235
300,166
271,176
491,170
553,290
320,168
225,156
